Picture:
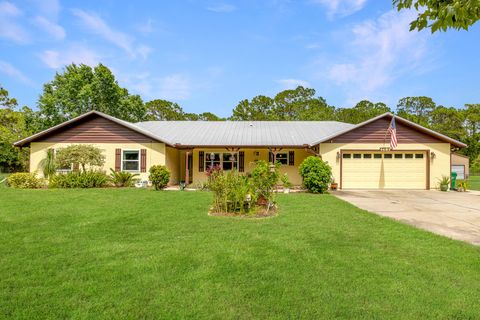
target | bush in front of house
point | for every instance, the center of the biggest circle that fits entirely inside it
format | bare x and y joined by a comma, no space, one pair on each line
87,179
122,178
159,176
82,154
316,174
24,180
230,190
264,178
237,193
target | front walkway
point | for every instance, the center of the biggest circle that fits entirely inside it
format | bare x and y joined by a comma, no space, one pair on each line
452,214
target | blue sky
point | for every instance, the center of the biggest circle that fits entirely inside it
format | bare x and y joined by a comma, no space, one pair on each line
208,55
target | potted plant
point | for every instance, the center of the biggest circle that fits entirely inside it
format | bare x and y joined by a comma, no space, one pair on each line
462,186
286,183
333,185
444,182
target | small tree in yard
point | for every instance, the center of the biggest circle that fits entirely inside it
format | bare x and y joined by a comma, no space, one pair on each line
82,154
159,176
316,174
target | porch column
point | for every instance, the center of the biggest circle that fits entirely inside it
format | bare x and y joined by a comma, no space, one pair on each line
187,173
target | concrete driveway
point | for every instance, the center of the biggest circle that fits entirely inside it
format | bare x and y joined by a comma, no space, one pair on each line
452,214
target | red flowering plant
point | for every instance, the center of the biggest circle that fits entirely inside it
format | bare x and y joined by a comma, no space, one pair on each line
214,171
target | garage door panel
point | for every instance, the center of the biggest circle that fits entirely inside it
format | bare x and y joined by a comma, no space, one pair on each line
384,173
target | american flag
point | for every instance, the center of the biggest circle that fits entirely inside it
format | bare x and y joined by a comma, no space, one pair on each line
392,129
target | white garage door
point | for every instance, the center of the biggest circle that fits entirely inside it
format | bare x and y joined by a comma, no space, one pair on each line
390,170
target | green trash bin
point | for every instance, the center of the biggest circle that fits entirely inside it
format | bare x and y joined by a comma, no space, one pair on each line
454,181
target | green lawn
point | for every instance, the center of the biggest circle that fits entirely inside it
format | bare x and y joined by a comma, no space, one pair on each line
145,254
474,182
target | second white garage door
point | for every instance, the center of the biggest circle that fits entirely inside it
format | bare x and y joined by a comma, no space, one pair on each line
389,170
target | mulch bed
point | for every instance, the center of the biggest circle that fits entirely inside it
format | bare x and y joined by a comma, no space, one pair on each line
261,212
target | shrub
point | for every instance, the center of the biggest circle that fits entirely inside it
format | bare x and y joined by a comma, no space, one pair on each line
122,178
82,154
264,179
24,180
159,176
48,165
230,191
316,174
87,179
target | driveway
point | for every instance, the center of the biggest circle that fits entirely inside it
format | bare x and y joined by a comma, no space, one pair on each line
452,214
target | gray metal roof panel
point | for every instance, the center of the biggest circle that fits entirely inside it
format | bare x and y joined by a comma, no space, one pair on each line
243,133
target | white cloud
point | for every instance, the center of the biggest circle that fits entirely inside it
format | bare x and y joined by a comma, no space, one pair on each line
53,29
146,28
47,8
293,83
341,7
98,26
9,70
378,53
74,54
175,87
9,26
222,8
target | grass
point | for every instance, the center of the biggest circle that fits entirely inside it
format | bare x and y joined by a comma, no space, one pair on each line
129,253
474,182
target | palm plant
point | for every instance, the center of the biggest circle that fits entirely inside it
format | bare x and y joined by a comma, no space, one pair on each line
122,178
48,165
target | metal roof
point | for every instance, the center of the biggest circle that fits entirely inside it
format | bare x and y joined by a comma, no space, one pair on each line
242,133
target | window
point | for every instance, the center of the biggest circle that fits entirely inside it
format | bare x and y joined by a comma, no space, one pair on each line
367,156
387,156
398,156
131,160
226,160
282,158
229,161
419,156
347,156
377,156
408,156
357,156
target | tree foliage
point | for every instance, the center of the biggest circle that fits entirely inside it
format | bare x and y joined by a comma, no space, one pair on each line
81,154
316,174
158,110
79,89
441,14
13,127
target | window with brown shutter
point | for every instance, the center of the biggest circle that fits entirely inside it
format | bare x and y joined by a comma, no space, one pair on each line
201,160
291,158
241,161
143,160
118,159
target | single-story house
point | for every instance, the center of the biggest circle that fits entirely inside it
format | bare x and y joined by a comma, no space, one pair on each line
461,165
359,155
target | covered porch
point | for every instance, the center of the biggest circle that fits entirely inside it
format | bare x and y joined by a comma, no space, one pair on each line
193,163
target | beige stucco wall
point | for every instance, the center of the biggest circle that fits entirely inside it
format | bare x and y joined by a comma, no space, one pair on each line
173,164
155,154
250,158
439,166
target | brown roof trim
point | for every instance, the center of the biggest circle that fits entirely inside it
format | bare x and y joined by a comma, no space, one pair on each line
402,120
181,146
126,124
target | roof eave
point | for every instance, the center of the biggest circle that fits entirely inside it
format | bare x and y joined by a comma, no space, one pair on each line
126,124
413,124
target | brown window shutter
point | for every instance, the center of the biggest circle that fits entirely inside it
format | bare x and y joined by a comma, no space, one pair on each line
201,161
291,158
143,160
118,159
241,161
